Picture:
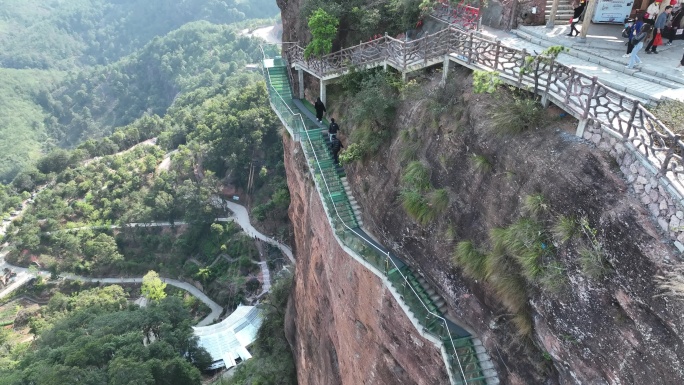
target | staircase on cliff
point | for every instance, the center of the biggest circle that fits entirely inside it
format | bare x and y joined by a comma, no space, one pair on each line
564,12
466,358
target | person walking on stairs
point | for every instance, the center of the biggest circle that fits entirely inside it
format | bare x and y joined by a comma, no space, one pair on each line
320,109
577,16
659,26
638,42
336,146
332,129
634,29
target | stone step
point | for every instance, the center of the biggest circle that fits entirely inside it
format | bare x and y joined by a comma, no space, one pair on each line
619,67
607,60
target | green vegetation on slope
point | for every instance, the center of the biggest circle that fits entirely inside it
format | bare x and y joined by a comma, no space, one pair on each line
22,129
42,40
96,338
66,34
90,103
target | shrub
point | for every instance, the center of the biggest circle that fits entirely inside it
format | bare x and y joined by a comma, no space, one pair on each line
535,205
439,200
553,277
367,141
671,113
592,258
481,163
485,81
526,242
353,153
564,228
417,206
323,27
416,176
409,150
593,262
517,116
376,101
672,283
471,260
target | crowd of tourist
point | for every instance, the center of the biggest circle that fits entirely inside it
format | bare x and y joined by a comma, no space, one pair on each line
652,28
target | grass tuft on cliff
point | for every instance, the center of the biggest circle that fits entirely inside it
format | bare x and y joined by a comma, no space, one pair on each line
564,228
416,176
535,205
471,260
481,163
417,206
522,114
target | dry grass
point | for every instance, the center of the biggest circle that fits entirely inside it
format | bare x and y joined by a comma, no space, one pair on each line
470,259
672,283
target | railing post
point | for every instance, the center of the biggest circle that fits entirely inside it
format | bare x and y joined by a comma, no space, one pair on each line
496,55
403,64
521,71
632,116
426,42
536,76
668,156
470,47
585,114
568,87
545,97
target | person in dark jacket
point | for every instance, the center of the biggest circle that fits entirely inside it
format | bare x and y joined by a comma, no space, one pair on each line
577,16
659,26
333,128
336,147
320,109
638,41
634,29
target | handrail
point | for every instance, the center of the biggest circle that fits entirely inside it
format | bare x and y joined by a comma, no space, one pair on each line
385,254
270,86
583,96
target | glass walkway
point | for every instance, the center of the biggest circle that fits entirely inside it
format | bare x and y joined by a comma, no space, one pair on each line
464,356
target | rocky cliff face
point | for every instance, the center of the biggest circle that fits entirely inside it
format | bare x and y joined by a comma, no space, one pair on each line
613,329
343,324
346,328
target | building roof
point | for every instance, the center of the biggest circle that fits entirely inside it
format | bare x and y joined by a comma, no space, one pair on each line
227,340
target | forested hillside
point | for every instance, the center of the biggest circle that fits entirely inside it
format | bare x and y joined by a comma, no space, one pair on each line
89,103
95,43
56,34
95,337
115,112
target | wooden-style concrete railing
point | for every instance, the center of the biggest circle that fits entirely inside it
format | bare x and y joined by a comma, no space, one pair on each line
582,96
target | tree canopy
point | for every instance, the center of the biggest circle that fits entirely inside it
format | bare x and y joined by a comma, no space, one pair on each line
153,287
96,338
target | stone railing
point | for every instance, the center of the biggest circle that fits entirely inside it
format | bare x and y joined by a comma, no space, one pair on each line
582,96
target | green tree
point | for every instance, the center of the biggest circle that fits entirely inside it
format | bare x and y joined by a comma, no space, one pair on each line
323,27
153,287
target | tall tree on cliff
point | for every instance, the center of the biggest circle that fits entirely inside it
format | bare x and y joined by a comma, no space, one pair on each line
323,27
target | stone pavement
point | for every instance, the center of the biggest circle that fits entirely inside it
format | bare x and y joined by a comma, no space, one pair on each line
601,56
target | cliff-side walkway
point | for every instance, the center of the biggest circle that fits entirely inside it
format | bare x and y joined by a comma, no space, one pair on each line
465,357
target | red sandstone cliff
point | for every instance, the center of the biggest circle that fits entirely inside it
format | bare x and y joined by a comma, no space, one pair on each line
343,324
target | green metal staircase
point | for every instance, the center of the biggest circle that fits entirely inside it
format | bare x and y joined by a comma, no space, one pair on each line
462,353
